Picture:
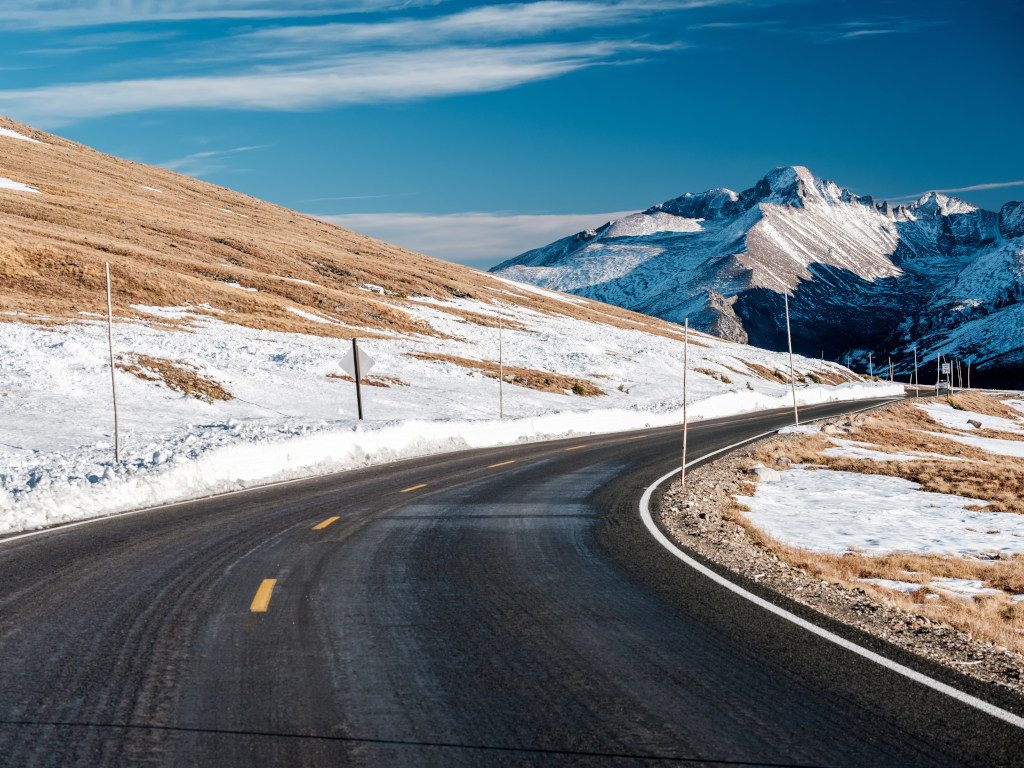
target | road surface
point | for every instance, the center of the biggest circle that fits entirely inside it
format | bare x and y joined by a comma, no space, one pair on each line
491,607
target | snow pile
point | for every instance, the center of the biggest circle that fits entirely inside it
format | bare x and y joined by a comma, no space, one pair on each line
291,416
966,589
9,134
16,186
832,511
952,418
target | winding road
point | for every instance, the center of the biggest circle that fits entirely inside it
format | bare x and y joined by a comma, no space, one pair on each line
501,606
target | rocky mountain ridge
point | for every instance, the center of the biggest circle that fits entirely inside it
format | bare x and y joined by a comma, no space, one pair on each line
862,276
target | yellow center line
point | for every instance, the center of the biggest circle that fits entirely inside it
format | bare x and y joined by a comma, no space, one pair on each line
575,447
262,599
502,464
406,490
638,437
324,524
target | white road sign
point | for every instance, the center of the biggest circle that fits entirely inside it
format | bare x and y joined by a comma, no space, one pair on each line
348,364
945,366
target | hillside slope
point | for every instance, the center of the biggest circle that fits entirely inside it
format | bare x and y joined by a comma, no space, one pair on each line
862,276
232,317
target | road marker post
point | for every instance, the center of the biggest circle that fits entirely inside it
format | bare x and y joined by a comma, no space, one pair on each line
686,348
792,373
113,378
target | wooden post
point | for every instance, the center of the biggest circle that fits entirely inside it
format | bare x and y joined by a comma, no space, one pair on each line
917,381
968,374
113,378
871,367
501,374
355,364
792,373
686,348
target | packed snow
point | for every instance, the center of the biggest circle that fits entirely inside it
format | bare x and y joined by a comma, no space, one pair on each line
988,444
8,133
832,511
291,417
853,449
17,186
966,589
952,418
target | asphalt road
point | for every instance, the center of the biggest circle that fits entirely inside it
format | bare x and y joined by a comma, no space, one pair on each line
491,607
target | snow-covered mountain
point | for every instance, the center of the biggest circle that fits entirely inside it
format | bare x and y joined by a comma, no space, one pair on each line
231,320
861,276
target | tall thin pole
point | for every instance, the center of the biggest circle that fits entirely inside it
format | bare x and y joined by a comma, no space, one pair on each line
871,367
355,364
792,373
968,374
890,368
501,374
686,348
917,381
113,379
938,371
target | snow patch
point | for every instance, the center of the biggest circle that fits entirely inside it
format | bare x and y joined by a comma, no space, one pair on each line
16,186
833,511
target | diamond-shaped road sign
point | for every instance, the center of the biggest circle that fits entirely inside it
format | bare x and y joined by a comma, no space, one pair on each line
348,364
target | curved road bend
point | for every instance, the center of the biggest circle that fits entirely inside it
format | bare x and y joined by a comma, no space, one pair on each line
492,607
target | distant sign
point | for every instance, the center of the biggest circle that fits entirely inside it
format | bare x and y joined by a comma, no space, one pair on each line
348,364
945,366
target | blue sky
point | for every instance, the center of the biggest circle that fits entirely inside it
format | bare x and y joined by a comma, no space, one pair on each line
474,131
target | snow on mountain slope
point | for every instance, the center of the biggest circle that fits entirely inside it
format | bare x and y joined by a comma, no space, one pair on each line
861,276
232,317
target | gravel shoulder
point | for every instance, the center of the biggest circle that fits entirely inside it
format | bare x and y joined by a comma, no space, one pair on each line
701,519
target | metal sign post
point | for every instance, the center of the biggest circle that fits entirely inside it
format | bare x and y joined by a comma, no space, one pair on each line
356,364
113,379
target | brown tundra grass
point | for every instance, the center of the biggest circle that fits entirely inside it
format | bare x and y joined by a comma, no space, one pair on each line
998,480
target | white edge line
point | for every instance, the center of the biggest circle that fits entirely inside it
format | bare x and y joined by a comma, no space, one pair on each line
645,515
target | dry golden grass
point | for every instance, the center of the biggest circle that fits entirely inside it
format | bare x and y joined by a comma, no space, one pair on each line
970,472
186,243
176,375
372,381
543,381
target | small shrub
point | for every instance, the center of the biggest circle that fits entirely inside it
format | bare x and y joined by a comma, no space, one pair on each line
778,375
725,379
577,388
801,379
750,387
814,377
956,405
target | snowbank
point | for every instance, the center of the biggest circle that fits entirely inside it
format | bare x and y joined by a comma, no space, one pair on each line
291,417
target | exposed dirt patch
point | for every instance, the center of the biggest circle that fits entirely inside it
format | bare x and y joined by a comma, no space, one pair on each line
531,378
176,375
372,381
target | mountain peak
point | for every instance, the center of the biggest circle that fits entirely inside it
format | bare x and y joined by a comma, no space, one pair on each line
938,204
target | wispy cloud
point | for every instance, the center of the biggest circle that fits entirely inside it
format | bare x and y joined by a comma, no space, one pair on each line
852,30
203,163
59,14
364,78
956,190
495,22
477,239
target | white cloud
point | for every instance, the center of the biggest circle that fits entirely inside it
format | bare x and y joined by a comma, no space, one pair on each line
199,163
364,78
56,14
487,22
954,190
477,239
